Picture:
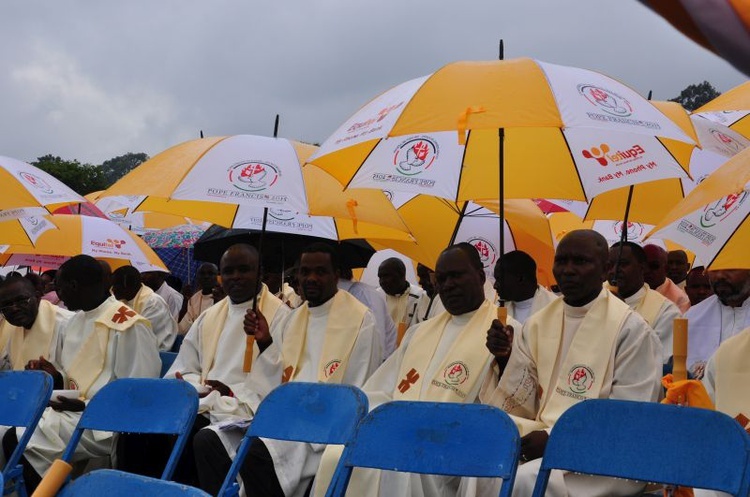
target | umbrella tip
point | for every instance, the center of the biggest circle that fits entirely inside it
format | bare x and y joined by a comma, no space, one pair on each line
276,127
201,133
501,51
650,93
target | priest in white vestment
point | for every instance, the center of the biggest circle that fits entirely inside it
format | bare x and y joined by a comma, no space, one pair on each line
588,344
658,311
155,280
719,317
401,297
104,340
207,279
331,338
516,285
443,359
128,289
726,380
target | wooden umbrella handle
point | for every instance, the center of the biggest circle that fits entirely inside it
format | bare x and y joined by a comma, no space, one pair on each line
502,315
247,364
679,349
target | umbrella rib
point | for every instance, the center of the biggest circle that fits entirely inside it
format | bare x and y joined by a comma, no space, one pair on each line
361,163
727,240
458,224
463,158
673,157
575,166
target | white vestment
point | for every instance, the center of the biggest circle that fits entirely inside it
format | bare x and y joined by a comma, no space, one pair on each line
633,372
228,359
151,306
130,354
198,303
662,323
296,463
403,308
172,297
522,310
710,323
53,337
375,301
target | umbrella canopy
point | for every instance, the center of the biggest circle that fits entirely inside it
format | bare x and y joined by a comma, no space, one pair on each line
182,236
121,209
29,191
555,131
731,108
712,220
92,236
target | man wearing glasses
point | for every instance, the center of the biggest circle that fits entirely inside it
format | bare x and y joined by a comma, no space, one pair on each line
32,329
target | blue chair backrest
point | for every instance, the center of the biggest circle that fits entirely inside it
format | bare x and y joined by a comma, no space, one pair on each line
167,358
141,405
433,438
305,412
23,397
120,484
650,442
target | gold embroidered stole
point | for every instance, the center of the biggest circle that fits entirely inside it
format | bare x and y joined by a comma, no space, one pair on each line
342,329
733,375
582,371
213,325
649,306
140,299
461,367
27,346
89,362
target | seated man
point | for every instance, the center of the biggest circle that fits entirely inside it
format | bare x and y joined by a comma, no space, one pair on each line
698,286
128,289
157,281
32,328
440,360
587,345
719,317
657,310
656,277
207,278
677,267
726,379
331,338
515,283
401,297
104,340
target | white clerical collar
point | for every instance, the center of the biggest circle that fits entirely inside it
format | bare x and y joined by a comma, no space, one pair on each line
95,311
635,299
525,304
463,319
322,309
241,305
579,312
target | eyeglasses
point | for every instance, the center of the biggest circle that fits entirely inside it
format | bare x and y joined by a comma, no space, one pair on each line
22,302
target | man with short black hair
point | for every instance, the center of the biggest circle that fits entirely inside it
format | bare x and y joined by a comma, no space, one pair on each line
157,281
677,267
698,286
401,297
516,285
656,277
207,278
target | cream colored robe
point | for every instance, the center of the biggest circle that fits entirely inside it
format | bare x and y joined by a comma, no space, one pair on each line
633,372
19,345
662,321
403,308
151,306
129,354
196,305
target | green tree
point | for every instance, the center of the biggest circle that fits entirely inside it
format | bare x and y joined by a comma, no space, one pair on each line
117,167
83,178
695,96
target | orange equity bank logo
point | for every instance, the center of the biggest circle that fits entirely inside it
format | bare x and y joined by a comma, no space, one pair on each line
602,154
110,243
253,176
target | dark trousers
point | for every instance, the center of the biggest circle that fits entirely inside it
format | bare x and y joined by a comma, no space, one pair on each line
147,454
30,477
213,464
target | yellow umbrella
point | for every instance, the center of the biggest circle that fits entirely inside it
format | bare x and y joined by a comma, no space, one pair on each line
93,236
731,108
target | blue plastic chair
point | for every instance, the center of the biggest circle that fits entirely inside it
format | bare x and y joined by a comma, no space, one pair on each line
141,405
114,483
304,412
649,442
433,438
23,397
167,358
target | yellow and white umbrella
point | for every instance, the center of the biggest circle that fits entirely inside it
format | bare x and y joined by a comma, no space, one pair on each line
99,238
731,109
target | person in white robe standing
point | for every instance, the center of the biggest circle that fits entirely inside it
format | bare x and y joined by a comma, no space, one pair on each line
718,317
588,344
104,340
128,289
658,311
331,338
516,285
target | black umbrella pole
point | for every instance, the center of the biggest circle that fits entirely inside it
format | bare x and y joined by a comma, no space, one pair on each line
501,194
623,239
260,257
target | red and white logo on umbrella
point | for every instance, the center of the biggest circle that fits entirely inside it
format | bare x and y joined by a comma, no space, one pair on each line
254,176
486,249
415,155
633,231
606,100
718,211
36,182
725,141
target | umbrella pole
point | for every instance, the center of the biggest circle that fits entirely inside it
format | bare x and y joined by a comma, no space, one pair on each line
623,239
502,311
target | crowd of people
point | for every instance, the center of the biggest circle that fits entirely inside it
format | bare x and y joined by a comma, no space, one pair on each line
606,333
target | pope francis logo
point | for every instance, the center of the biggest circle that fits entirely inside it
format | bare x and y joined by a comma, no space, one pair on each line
580,379
456,373
415,155
726,142
486,249
331,367
36,182
253,176
721,209
606,100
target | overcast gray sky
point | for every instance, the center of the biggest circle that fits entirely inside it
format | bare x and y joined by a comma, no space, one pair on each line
90,80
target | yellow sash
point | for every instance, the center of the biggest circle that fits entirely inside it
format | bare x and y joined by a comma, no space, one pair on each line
27,346
649,306
213,325
344,321
581,374
89,362
140,299
733,375
462,366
